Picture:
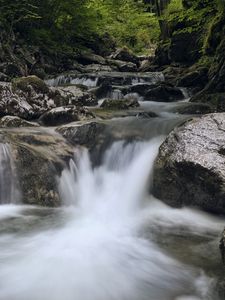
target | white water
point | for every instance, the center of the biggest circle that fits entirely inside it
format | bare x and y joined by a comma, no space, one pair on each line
9,192
99,253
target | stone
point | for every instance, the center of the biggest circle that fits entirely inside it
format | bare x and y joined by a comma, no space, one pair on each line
195,78
123,66
190,167
11,121
39,158
195,109
164,93
119,104
77,95
125,54
65,114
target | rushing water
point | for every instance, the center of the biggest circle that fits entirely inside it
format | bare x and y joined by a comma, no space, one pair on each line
9,192
103,246
111,240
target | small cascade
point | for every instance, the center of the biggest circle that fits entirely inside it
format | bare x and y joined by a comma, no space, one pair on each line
9,192
114,78
185,93
86,81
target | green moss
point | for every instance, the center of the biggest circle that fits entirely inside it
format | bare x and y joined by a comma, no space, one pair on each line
24,83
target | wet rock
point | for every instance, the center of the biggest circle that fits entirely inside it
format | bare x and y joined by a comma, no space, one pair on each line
83,134
90,58
146,115
3,77
11,121
29,97
123,66
190,168
222,247
119,104
146,65
101,91
195,109
39,158
65,114
25,84
125,54
78,95
196,78
97,68
164,93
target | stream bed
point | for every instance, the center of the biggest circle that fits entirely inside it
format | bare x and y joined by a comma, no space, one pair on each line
111,239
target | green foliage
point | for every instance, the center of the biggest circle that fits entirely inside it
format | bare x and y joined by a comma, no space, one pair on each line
65,25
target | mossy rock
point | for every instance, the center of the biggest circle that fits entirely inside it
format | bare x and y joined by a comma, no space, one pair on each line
24,83
119,104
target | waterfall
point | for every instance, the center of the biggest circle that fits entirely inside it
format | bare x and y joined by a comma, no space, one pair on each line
99,253
9,192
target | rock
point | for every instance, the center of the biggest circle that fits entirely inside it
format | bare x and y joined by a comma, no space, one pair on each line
140,88
193,79
119,104
123,66
222,247
82,134
13,70
146,115
26,83
77,95
29,97
215,100
164,93
190,168
90,58
195,109
39,159
185,47
125,54
146,65
65,114
97,68
101,91
3,77
11,121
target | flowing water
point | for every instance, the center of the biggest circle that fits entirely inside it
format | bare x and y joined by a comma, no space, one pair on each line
112,240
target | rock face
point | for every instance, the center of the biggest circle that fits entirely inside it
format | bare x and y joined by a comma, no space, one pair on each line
190,168
65,114
39,158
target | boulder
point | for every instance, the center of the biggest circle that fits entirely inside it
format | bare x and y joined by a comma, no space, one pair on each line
77,95
190,168
85,134
65,114
195,109
91,58
123,66
125,54
146,115
119,104
164,93
39,158
29,97
11,121
195,78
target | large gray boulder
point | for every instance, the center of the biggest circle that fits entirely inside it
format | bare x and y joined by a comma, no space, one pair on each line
190,168
39,157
